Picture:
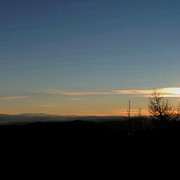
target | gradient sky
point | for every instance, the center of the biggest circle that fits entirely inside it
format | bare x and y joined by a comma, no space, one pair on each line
72,56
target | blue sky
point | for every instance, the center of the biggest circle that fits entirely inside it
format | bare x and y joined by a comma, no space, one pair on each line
85,46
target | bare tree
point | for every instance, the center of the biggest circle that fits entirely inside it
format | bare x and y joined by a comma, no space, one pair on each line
177,113
160,108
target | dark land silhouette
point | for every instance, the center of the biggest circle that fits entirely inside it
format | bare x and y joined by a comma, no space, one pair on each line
110,132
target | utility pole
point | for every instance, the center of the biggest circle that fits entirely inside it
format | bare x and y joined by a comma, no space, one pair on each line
140,123
129,115
139,113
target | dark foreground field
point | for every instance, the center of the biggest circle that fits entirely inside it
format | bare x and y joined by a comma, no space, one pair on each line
81,142
87,133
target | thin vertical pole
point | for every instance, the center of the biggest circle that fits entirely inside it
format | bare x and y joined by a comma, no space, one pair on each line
139,113
129,116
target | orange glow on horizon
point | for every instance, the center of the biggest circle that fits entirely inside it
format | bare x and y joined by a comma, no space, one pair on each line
121,112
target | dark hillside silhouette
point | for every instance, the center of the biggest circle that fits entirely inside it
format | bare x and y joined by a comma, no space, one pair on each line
87,133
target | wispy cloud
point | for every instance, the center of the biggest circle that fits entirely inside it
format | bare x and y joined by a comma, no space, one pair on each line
85,93
80,93
166,92
132,92
48,105
77,99
14,97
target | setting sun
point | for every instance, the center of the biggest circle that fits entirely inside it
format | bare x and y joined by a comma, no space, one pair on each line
174,91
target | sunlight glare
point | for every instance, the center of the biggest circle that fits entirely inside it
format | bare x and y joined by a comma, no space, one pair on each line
175,91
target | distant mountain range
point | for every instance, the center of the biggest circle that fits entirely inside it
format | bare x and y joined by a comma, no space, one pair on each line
40,117
35,114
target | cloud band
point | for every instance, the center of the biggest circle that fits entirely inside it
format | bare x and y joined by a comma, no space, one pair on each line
167,92
14,97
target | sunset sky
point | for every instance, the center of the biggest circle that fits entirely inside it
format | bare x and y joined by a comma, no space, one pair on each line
87,57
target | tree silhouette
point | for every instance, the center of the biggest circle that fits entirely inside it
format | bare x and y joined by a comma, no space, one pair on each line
160,109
